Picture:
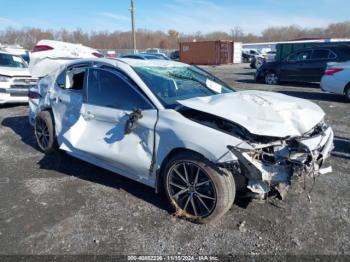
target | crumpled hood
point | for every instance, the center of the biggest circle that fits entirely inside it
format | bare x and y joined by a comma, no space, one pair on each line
13,71
262,113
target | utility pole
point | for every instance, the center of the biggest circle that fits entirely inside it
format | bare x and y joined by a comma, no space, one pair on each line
132,11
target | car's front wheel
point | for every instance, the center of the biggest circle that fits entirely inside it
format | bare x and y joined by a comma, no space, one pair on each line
197,189
271,78
44,132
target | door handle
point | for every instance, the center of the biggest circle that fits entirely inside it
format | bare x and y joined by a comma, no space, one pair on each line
88,115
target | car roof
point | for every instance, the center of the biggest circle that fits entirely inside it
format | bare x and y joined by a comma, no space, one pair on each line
155,62
5,52
130,61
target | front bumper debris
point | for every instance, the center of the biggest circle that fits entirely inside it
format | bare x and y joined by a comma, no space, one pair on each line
274,166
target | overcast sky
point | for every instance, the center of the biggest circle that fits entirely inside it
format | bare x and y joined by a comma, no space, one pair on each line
186,16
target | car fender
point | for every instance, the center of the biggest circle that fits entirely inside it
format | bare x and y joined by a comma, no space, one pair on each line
174,131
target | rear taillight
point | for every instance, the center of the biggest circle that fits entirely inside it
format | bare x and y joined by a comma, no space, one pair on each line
332,71
99,55
39,48
34,95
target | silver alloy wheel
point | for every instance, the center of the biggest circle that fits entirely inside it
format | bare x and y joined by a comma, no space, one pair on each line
271,79
191,188
42,133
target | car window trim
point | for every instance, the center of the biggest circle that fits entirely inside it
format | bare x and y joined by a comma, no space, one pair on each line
86,97
334,54
317,59
298,52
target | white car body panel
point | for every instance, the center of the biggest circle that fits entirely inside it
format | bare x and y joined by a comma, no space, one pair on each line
96,134
337,82
262,113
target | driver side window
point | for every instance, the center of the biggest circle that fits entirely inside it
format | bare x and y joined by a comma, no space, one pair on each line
109,89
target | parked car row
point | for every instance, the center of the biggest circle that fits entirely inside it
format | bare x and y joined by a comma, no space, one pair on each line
313,64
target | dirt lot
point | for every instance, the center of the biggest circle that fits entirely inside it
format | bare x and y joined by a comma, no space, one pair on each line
61,205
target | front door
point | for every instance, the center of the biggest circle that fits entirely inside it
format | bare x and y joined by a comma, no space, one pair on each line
294,67
100,135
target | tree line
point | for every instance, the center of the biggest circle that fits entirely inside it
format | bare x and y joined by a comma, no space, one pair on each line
28,37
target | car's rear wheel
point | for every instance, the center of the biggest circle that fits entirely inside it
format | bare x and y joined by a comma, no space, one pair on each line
44,132
347,92
271,78
197,189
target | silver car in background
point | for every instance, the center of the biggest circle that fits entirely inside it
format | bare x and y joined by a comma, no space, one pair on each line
336,79
176,127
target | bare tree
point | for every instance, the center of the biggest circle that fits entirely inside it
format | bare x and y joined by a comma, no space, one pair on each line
28,37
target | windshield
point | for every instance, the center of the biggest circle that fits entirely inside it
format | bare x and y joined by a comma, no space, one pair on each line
8,60
170,84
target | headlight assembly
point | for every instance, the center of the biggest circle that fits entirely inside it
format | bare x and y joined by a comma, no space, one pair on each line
4,78
299,157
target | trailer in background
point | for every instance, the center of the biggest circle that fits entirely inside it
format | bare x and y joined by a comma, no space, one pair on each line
283,50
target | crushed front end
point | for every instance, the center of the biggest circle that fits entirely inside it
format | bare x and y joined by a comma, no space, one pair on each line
273,162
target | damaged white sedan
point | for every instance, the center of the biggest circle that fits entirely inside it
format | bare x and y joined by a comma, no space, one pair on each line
176,127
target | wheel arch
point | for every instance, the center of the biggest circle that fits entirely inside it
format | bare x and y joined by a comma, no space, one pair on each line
166,159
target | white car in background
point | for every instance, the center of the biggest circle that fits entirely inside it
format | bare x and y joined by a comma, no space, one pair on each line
15,79
177,127
336,79
48,55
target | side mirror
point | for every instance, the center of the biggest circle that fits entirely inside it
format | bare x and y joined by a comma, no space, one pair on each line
131,122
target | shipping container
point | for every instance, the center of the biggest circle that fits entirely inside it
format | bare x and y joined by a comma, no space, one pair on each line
207,52
237,52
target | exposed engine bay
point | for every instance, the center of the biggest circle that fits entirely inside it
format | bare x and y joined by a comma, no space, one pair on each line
273,161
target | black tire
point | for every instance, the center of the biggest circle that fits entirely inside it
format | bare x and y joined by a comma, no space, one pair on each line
347,92
215,183
45,133
271,78
252,64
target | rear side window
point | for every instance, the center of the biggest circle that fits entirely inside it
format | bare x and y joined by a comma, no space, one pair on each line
320,54
110,89
76,76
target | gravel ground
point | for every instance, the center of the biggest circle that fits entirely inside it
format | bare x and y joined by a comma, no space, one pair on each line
60,205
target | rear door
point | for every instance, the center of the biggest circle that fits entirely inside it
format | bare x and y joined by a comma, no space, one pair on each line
318,63
67,101
100,135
